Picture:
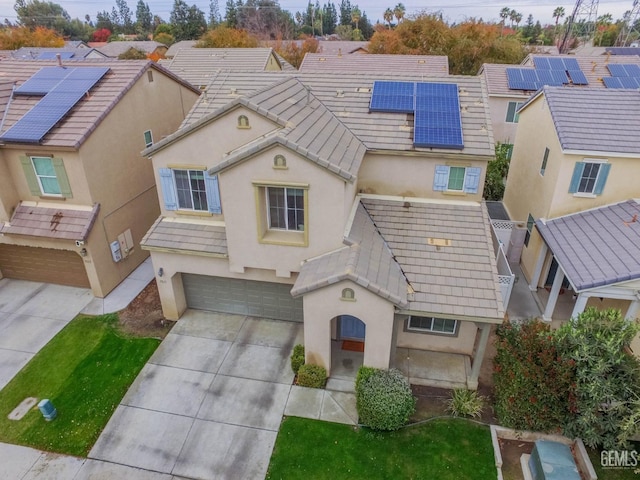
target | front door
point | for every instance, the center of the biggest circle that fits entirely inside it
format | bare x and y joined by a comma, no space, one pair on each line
351,328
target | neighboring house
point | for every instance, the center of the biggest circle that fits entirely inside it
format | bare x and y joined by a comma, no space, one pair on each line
115,49
66,53
437,65
623,50
76,197
176,47
76,44
297,199
574,171
504,101
199,65
335,47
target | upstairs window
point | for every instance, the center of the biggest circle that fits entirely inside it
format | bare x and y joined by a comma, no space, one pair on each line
589,178
545,158
456,179
512,115
190,190
285,208
46,176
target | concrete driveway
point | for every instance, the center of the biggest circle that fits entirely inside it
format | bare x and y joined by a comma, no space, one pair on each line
32,313
209,403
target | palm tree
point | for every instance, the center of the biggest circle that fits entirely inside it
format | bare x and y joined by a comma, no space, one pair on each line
518,18
558,13
355,16
398,11
504,14
388,16
512,17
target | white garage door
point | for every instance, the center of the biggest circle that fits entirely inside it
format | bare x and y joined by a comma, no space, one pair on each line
244,297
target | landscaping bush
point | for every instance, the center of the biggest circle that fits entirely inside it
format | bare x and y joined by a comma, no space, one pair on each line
465,403
312,376
383,399
297,358
532,384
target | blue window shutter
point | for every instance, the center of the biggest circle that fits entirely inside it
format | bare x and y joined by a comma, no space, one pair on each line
168,189
577,175
602,178
441,178
213,193
472,179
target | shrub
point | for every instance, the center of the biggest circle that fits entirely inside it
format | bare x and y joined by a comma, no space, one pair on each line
532,384
465,403
383,399
297,358
312,376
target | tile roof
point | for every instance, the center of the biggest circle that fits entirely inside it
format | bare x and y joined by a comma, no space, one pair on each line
348,95
594,68
186,235
84,117
32,53
54,222
199,65
459,280
596,247
175,47
114,49
595,120
367,261
307,127
432,65
339,46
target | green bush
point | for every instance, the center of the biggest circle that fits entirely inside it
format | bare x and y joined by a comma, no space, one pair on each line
532,384
312,376
297,358
383,399
465,403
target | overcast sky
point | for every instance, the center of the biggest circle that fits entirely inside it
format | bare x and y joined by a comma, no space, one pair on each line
455,11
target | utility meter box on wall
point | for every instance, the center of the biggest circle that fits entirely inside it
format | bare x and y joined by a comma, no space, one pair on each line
116,253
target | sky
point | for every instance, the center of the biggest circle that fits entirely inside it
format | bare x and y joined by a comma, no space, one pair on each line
455,11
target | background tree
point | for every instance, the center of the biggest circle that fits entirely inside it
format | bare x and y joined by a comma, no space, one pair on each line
144,18
388,16
103,21
294,53
398,12
329,18
34,13
187,22
101,35
345,12
125,16
518,18
214,14
133,54
512,17
558,13
225,37
164,38
497,171
231,14
17,37
355,16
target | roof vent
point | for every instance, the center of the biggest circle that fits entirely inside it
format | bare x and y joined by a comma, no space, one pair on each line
322,59
339,93
439,242
421,61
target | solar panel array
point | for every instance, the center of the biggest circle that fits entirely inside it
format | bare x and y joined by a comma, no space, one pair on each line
436,109
62,89
551,71
623,76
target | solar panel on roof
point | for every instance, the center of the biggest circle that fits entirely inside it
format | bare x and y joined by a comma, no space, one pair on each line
630,82
556,64
632,69
617,70
57,102
577,77
612,82
571,64
53,55
516,80
393,97
437,121
41,82
541,63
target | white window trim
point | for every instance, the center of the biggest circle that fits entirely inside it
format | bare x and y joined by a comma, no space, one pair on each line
516,116
39,177
464,179
456,326
175,183
144,135
595,182
286,217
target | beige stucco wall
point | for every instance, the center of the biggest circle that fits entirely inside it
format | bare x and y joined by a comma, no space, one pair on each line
8,194
462,343
325,216
108,169
412,175
503,132
173,264
321,306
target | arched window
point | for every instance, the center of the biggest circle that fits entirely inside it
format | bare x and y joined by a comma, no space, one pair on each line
243,121
279,161
348,294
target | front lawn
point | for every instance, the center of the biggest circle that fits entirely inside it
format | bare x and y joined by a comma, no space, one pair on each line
453,449
85,371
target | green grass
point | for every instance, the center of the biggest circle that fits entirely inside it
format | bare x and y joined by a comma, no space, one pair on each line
85,371
445,449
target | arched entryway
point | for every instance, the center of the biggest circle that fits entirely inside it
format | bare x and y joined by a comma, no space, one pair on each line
347,346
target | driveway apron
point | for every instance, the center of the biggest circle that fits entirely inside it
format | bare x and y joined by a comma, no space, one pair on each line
209,402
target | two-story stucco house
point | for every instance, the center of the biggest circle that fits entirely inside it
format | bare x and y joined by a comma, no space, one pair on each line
76,197
573,180
330,200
